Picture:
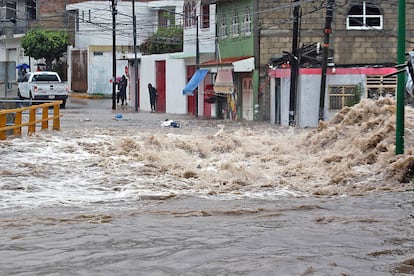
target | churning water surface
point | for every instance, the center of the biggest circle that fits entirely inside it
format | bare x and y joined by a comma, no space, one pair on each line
107,196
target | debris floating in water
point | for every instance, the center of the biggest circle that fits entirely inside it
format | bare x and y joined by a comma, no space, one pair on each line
170,123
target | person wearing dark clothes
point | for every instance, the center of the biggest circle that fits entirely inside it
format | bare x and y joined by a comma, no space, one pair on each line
122,85
153,93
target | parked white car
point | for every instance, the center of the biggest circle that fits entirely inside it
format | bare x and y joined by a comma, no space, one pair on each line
43,85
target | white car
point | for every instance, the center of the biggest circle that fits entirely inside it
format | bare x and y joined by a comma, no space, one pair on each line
43,85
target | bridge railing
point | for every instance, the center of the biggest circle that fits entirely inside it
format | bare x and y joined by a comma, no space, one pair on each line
12,120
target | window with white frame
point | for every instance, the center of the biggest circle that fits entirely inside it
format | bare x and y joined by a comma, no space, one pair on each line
205,16
189,14
222,30
10,9
166,18
247,22
364,16
343,95
31,9
235,24
193,14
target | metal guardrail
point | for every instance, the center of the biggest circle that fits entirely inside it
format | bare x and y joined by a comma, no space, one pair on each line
14,128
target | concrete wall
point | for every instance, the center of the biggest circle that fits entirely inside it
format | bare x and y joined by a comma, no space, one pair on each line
100,72
95,23
241,44
206,35
176,102
308,95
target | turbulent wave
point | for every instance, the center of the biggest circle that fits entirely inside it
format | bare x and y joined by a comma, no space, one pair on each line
352,154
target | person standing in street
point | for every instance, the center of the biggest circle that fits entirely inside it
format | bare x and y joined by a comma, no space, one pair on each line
123,83
153,93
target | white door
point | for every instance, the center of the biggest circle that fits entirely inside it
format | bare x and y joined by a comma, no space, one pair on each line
247,90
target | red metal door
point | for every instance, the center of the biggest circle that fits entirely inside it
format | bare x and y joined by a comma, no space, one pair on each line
160,85
190,99
208,92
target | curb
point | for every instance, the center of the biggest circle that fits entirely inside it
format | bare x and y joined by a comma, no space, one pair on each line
87,96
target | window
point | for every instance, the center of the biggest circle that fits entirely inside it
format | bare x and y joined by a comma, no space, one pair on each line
205,16
31,9
222,26
186,14
247,22
189,14
77,21
10,9
341,96
235,24
364,16
166,18
380,86
45,77
193,14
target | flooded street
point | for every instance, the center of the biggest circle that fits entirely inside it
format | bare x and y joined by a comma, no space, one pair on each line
123,195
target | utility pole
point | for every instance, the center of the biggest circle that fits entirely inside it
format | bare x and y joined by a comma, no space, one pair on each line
114,12
399,141
327,31
294,66
197,62
134,23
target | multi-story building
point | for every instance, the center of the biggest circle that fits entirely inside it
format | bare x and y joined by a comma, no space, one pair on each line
17,17
362,52
360,55
93,51
236,76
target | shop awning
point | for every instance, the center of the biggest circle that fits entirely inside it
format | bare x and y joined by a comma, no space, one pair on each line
198,76
224,81
239,64
244,65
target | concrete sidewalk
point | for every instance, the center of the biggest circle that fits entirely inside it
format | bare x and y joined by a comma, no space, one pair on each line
12,94
84,95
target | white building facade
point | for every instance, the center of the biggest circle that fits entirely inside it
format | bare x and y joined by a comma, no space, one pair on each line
168,72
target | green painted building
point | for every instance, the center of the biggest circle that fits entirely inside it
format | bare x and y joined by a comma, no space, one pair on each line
236,51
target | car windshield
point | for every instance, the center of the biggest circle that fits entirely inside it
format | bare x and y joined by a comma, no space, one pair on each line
45,77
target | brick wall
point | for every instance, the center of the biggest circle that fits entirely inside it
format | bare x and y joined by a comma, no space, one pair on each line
350,46
51,14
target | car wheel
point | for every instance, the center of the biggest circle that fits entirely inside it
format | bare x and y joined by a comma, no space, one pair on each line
63,104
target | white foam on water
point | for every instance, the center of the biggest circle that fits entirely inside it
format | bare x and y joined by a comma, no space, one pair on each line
352,154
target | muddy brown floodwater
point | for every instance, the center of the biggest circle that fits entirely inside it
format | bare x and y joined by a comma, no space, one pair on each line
126,196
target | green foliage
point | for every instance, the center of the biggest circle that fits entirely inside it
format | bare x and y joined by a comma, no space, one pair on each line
356,96
60,68
50,45
165,40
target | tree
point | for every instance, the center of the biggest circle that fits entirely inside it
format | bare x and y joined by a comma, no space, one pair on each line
50,45
165,40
